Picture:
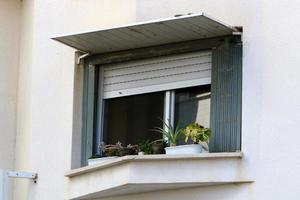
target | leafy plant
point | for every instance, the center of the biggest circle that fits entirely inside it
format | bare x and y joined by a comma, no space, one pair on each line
119,150
170,133
197,133
145,146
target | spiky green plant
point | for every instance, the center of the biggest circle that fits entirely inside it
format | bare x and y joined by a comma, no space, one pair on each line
170,133
145,146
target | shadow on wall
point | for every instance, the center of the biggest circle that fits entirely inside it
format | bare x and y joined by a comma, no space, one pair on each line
221,192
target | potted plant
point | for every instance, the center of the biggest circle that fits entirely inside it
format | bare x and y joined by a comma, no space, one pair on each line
196,133
145,147
111,151
108,152
117,150
199,135
171,135
96,158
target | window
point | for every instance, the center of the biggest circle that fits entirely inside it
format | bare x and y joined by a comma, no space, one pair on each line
137,95
192,105
130,119
125,100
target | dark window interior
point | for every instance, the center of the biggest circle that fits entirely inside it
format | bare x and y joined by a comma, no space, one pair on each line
129,119
192,105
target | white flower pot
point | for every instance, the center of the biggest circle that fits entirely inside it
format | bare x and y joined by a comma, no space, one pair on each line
184,149
99,160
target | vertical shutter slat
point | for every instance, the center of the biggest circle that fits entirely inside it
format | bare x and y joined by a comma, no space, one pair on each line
88,112
226,98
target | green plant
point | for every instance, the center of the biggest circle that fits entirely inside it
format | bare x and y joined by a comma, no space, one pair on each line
145,146
197,133
113,149
94,156
119,150
170,133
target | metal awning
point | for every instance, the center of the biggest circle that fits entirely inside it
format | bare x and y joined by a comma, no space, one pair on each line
146,34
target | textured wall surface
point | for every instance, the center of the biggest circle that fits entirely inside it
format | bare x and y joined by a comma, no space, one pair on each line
9,60
270,123
45,95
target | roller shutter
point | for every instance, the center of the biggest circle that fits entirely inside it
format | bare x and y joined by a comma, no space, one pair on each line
156,74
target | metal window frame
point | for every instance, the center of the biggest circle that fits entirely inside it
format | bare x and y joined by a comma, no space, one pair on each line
100,113
135,54
87,114
169,108
168,116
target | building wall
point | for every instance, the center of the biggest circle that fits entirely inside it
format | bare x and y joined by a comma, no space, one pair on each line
9,60
270,87
45,95
270,91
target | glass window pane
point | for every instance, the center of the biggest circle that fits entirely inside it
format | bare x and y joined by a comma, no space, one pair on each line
129,119
192,105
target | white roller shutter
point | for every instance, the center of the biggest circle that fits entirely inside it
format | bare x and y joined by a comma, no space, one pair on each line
156,74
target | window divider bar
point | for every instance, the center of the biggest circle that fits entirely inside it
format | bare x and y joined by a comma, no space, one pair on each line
169,108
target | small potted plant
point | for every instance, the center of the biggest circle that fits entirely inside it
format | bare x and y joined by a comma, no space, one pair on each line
117,150
193,132
111,151
172,136
95,159
145,147
199,135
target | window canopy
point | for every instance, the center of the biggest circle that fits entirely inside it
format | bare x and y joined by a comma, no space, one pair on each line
147,34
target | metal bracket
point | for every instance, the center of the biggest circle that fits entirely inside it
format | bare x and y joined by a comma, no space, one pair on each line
82,56
28,175
237,33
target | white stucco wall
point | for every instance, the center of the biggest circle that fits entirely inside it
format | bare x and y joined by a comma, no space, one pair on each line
45,95
271,107
9,60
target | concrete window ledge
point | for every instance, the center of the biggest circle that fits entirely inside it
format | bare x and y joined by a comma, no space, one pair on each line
145,173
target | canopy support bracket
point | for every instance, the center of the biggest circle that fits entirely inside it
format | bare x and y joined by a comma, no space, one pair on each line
82,57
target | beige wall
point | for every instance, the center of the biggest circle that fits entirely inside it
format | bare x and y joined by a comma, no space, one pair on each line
24,104
45,95
46,81
217,192
9,60
271,97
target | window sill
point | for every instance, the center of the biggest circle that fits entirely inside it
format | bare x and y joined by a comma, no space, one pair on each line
145,173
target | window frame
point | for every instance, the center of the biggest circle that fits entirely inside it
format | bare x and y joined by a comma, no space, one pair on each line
168,111
93,62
